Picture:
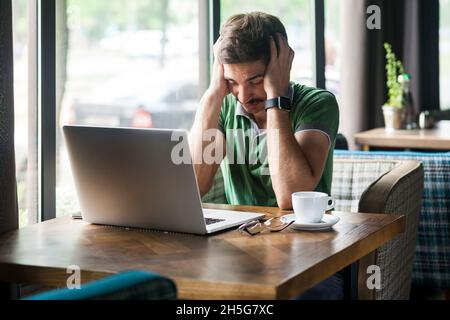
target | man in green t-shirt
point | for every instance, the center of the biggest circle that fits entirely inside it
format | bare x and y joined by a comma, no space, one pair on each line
273,137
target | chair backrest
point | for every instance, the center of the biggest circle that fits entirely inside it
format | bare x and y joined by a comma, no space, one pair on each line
127,285
391,187
341,142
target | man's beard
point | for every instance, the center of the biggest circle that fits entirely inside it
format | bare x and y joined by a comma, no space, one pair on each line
251,104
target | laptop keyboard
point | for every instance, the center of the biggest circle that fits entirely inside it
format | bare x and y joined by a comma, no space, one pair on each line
209,221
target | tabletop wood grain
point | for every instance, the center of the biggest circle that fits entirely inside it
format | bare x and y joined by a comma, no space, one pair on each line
228,265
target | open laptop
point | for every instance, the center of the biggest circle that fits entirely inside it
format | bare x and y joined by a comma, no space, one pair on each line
126,177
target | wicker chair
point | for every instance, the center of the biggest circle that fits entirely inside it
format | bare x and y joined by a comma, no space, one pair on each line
383,186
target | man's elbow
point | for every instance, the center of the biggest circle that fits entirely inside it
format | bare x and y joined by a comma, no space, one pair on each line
285,202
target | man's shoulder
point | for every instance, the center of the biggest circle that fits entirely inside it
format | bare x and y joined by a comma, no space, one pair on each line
310,102
229,105
315,109
227,112
305,95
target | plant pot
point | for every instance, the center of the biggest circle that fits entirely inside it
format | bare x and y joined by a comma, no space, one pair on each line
394,118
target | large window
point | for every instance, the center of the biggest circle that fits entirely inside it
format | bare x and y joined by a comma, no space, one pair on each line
124,63
136,63
444,49
118,63
25,112
296,17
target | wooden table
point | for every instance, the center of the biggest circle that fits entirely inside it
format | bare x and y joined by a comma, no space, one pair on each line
429,139
229,265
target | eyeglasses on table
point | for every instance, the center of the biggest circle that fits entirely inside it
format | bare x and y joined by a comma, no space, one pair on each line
254,227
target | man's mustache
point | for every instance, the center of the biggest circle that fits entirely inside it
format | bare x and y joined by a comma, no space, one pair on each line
252,101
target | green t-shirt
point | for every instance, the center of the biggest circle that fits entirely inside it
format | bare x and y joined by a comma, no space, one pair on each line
245,167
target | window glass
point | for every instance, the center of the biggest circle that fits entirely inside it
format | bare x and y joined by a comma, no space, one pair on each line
332,46
25,114
124,63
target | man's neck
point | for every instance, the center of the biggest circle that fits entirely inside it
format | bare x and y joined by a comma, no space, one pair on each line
261,119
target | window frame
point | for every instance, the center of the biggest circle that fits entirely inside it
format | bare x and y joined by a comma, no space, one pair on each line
47,107
319,44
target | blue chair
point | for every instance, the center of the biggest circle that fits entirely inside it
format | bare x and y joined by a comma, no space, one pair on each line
130,285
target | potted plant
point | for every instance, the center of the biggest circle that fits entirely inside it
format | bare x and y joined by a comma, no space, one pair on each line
393,111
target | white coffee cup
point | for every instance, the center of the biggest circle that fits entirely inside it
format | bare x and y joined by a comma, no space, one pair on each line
310,206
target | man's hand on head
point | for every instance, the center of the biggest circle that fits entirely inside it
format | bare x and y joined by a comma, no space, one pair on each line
277,77
218,86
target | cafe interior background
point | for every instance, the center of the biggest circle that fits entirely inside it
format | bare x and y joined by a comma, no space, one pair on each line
145,64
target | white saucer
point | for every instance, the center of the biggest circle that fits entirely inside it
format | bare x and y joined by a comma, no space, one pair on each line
327,222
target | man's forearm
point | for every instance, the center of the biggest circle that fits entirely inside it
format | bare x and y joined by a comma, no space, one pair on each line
207,117
291,170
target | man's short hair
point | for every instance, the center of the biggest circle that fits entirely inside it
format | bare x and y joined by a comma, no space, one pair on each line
246,37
